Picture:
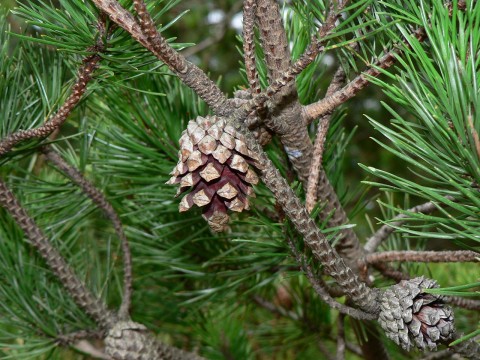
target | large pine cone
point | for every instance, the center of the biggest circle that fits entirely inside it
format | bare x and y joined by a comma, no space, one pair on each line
410,316
215,162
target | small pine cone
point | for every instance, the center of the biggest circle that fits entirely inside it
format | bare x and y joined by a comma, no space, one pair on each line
410,316
128,340
215,163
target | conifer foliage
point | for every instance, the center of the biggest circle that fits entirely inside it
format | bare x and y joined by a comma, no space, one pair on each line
100,259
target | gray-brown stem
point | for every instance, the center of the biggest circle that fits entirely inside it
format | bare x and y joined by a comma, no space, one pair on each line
101,201
76,289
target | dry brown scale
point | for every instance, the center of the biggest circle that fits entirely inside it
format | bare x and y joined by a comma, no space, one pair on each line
216,164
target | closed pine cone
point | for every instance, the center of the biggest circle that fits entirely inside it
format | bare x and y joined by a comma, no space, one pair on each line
410,316
214,162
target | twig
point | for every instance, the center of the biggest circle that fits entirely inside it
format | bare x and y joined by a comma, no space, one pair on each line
330,103
354,349
274,308
334,265
282,80
469,304
78,89
100,200
423,256
325,351
391,273
87,348
442,354
316,163
249,8
340,337
189,73
287,117
319,287
384,232
469,348
69,339
77,290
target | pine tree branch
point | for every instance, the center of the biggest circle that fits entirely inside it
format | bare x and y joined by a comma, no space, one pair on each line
90,63
330,103
469,348
384,232
358,291
340,337
76,289
286,110
85,347
320,287
147,34
249,9
423,256
100,200
69,339
442,354
326,352
283,107
316,163
274,308
391,273
334,266
469,304
286,77
124,343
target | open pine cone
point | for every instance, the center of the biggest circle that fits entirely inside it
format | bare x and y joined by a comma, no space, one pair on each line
410,316
214,162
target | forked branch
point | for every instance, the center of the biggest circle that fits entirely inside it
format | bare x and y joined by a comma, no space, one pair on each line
384,232
330,103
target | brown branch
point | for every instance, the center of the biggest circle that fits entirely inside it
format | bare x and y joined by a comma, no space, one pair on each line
469,348
327,354
146,34
320,287
469,304
442,354
86,347
330,103
423,256
274,308
286,77
124,343
316,163
286,112
100,200
384,232
364,297
76,289
340,337
249,8
71,338
391,273
84,76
